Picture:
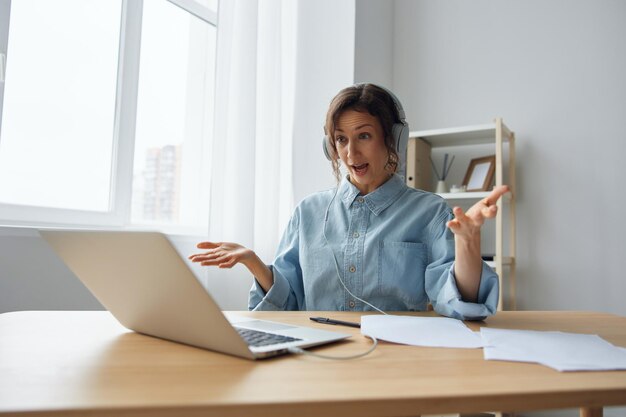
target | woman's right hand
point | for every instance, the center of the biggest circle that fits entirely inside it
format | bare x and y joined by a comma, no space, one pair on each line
228,254
221,254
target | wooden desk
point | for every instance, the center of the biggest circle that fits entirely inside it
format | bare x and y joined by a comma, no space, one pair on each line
85,363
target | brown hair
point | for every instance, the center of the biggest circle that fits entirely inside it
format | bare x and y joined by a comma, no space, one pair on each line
363,98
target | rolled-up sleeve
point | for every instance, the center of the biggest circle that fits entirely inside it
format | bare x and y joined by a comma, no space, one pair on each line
441,283
276,299
450,303
287,291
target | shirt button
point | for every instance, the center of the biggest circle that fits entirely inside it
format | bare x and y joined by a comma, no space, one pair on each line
351,304
352,268
355,235
360,199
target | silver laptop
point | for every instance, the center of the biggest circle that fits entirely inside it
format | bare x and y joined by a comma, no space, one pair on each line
140,278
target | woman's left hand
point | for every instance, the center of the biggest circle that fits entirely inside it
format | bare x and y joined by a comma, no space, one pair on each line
467,225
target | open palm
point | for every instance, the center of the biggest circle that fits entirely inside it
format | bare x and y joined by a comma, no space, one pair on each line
221,254
468,224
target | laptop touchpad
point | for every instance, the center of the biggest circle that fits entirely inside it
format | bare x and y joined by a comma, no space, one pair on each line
267,326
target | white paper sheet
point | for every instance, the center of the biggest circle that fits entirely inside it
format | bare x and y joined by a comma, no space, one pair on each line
558,350
420,331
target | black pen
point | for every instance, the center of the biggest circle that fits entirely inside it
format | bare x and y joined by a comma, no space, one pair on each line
326,320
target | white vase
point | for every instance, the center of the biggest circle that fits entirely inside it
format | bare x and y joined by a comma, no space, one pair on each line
441,187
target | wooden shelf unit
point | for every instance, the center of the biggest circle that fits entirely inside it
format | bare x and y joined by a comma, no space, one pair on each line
498,134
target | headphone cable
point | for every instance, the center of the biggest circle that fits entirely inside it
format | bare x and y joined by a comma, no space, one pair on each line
300,351
335,258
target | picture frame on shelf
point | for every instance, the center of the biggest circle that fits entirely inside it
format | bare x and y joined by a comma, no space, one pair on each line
479,175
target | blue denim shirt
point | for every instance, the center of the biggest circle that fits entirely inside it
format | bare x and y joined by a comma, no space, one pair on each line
392,247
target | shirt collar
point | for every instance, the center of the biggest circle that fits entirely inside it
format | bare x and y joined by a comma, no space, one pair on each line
379,199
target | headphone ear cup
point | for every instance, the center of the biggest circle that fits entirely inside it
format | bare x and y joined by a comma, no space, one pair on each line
400,134
327,147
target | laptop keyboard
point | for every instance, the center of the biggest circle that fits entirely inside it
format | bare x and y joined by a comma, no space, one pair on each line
257,338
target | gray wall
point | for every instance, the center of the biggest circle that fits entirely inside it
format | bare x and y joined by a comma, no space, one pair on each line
373,43
325,64
32,277
5,8
554,70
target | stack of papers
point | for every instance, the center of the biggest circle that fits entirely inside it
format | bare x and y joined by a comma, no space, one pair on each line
420,331
558,350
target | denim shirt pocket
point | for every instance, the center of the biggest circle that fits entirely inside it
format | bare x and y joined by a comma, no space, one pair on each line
401,269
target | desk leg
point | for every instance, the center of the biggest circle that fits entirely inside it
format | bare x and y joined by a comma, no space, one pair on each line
591,412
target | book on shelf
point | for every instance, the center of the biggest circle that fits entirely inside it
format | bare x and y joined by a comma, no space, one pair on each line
418,169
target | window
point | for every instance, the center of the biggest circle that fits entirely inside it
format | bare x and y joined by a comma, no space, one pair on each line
174,117
111,127
59,100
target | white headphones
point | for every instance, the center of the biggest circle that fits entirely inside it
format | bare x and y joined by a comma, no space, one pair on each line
399,132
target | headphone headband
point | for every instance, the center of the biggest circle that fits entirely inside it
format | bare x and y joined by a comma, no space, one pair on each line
396,102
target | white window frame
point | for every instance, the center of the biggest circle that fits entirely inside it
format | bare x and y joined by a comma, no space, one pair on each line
118,215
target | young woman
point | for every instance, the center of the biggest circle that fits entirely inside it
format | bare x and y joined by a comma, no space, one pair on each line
372,242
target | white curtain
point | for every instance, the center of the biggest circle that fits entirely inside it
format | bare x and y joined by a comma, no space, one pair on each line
267,154
251,172
251,187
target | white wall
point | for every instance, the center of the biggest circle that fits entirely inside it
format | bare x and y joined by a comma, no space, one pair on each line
555,72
